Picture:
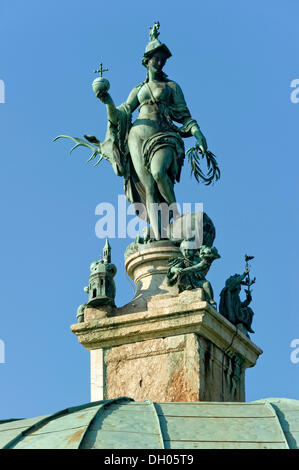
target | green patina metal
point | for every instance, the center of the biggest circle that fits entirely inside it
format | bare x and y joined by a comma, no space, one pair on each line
149,153
157,420
237,312
66,428
288,416
189,269
124,424
100,84
101,288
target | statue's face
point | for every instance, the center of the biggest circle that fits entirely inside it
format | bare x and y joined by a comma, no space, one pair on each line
188,253
157,61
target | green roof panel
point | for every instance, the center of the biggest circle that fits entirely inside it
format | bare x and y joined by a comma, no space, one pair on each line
125,424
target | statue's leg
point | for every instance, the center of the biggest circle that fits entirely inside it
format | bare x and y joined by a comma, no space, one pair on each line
160,163
151,208
148,182
209,292
151,199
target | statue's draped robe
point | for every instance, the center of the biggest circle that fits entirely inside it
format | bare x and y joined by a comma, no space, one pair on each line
115,146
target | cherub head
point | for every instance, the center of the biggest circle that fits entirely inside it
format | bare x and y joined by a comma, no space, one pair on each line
187,249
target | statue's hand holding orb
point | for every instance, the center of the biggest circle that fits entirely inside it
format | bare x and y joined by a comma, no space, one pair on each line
101,86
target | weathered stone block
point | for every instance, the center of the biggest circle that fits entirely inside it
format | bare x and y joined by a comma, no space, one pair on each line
163,345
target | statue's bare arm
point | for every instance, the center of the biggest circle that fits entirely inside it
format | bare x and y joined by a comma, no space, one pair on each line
202,265
132,100
112,113
179,99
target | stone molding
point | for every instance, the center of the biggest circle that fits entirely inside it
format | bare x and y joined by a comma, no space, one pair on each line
174,315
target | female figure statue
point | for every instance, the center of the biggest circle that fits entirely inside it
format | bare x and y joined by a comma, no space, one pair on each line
149,153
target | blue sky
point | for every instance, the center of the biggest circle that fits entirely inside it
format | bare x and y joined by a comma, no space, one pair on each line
235,62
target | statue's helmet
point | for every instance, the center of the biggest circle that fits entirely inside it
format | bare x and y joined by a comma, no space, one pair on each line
154,45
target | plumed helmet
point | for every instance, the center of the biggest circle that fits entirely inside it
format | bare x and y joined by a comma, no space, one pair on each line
154,45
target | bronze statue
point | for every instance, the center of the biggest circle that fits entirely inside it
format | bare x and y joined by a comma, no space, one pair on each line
101,288
149,153
189,270
231,307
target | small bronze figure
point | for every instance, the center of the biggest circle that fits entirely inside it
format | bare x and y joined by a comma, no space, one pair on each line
231,307
189,270
101,287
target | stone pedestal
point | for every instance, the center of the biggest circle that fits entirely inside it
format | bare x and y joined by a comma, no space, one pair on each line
163,345
148,267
